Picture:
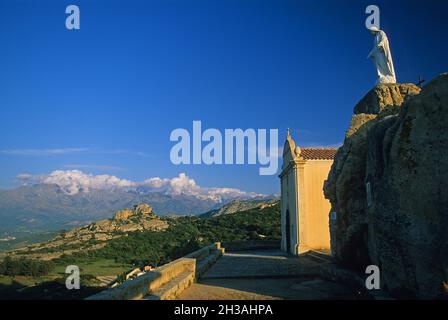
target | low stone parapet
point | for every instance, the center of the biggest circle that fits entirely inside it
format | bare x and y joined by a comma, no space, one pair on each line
165,282
149,283
206,257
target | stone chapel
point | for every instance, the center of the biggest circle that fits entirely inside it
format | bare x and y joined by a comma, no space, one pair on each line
304,210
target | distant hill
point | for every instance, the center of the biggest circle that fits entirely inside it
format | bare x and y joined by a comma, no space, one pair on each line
238,206
95,235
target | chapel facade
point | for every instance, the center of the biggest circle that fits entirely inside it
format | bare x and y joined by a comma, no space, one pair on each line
304,209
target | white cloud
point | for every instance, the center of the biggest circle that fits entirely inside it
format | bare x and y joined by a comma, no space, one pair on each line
75,181
156,182
26,178
177,185
183,184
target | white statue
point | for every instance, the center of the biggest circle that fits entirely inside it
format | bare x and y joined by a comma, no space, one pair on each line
381,56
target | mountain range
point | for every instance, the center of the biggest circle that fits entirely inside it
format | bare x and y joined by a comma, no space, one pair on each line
46,206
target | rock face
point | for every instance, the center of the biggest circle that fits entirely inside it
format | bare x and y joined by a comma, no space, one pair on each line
383,97
143,209
345,186
137,210
123,214
388,187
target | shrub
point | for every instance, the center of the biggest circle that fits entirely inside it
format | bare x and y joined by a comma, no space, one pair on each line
25,267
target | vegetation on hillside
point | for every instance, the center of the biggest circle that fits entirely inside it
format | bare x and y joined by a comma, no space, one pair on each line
25,267
136,249
184,235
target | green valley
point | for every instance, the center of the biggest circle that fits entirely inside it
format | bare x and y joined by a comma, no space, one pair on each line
133,238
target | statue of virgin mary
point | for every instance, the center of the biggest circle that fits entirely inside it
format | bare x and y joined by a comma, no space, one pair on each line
381,57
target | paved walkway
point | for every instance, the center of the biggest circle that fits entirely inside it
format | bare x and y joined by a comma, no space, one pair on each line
264,275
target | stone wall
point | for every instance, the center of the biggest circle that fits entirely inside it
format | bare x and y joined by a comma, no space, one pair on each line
167,281
206,257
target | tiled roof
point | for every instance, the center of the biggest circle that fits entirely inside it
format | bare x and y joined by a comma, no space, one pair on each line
318,153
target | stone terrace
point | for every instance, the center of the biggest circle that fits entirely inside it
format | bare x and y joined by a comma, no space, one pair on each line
267,274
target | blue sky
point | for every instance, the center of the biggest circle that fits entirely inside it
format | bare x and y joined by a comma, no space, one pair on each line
104,99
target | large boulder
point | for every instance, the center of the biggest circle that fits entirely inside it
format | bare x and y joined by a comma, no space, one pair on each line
408,216
124,214
385,96
388,188
143,209
138,210
345,186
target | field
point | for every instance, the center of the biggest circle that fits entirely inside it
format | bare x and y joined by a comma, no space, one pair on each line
25,287
100,267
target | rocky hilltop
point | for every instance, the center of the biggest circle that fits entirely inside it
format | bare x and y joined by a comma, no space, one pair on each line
94,236
139,217
388,188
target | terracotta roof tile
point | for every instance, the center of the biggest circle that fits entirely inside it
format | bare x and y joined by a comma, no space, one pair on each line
318,153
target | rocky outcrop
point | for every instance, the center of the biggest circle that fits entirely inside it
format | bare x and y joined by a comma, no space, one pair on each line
385,96
140,217
345,186
143,209
137,210
123,214
388,188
